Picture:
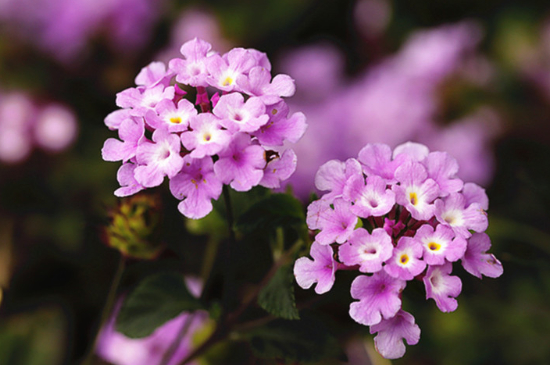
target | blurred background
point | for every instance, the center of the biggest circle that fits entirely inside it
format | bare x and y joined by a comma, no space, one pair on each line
468,77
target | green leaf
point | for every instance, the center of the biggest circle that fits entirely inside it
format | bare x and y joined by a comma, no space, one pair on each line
155,301
277,297
271,212
305,340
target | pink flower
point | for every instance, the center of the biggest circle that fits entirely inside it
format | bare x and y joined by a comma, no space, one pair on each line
442,287
416,192
477,262
320,270
379,298
206,137
370,199
405,262
440,244
336,224
196,184
241,164
239,116
367,250
392,332
158,159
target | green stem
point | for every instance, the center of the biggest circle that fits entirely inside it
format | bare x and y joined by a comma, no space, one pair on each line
229,277
107,308
229,213
228,321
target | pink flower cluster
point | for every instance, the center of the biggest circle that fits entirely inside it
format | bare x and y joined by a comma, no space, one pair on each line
396,216
234,134
25,125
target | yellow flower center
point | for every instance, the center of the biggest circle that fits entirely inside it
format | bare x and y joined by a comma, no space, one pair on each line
413,198
434,246
175,120
228,81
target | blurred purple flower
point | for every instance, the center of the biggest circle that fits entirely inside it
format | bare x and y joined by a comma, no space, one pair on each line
25,125
118,349
64,27
391,102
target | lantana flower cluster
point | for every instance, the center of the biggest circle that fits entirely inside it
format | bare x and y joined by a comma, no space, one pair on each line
395,216
232,134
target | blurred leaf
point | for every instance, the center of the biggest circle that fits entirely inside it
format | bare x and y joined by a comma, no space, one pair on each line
271,212
304,340
155,301
33,338
277,297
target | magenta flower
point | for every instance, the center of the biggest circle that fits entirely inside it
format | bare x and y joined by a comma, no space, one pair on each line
336,224
225,70
158,159
474,193
127,181
405,262
278,169
367,250
142,99
241,163
173,117
416,191
440,244
280,128
153,74
379,297
452,211
443,169
192,70
131,132
320,270
477,262
442,287
206,137
333,176
377,160
114,119
391,333
372,199
411,151
196,184
259,83
239,116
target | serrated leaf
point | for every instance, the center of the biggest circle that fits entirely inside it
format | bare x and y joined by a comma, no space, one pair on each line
155,301
277,297
305,340
273,211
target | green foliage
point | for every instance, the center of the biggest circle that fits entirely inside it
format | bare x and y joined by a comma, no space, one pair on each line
35,338
277,297
155,301
276,210
304,340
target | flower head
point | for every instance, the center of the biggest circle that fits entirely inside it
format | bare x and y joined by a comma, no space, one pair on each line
396,216
228,132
